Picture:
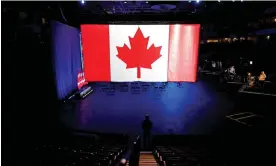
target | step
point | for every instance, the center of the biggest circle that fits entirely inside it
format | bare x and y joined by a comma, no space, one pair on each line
146,158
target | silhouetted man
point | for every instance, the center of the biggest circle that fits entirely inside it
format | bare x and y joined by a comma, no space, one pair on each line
147,126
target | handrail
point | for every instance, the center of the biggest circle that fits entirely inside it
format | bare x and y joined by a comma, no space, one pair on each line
131,155
125,157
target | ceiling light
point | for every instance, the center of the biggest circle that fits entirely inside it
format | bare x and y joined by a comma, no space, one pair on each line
125,2
197,1
82,1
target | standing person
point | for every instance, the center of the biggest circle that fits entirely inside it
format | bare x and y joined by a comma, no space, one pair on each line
250,80
262,78
147,126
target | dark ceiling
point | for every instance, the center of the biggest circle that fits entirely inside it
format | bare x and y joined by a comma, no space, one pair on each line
75,13
176,10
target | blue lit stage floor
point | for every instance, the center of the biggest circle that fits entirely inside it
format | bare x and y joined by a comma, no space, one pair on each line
186,108
189,108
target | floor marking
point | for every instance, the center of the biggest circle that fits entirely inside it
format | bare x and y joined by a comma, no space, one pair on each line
239,121
243,123
242,113
257,93
239,83
245,117
251,115
213,73
242,88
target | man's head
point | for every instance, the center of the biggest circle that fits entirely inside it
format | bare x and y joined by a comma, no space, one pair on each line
147,116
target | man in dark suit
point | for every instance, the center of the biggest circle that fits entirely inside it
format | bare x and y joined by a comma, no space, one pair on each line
147,126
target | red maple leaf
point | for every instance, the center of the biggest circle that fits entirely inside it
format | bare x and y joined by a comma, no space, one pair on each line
138,56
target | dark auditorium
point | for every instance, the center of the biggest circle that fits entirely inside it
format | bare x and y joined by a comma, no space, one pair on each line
138,83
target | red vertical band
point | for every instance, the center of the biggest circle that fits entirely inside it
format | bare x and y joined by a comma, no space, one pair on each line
183,52
96,52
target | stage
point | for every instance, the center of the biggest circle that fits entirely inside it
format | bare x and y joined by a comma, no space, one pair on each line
174,108
185,108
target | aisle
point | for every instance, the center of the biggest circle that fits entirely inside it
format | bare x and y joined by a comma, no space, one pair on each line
146,158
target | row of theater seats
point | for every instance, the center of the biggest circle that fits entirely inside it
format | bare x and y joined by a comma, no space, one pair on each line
79,153
182,156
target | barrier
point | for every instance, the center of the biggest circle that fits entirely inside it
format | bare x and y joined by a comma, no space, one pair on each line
85,92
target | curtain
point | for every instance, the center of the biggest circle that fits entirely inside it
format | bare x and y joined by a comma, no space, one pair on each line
66,58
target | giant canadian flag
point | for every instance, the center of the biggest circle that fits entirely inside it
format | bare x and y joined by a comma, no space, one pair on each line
150,53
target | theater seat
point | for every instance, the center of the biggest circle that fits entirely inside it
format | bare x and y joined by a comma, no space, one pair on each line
184,156
79,152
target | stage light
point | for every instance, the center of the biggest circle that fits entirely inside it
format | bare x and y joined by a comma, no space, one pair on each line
125,2
197,1
218,0
251,62
82,1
